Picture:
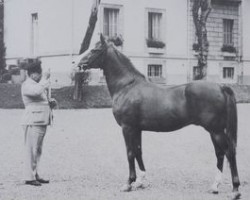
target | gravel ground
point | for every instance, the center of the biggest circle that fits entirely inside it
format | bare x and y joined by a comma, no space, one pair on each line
84,157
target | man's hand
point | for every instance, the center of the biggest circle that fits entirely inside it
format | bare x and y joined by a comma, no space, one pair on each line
52,103
47,75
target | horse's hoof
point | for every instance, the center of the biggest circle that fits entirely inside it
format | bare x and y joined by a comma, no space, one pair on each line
214,188
126,188
212,191
137,185
236,195
215,192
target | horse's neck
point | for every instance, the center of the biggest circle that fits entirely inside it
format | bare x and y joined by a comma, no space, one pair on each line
117,74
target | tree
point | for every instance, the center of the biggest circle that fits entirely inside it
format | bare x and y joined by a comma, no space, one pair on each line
2,46
201,10
84,46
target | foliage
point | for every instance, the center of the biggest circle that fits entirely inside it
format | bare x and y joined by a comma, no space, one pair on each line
117,40
196,47
5,77
85,77
84,46
200,11
2,45
2,56
14,70
228,48
155,43
93,97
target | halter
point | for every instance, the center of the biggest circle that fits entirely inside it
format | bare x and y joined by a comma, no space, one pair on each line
101,52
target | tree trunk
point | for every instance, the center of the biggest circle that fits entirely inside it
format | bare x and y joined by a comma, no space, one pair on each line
201,10
84,46
2,45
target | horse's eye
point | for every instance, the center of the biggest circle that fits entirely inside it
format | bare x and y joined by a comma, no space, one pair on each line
95,50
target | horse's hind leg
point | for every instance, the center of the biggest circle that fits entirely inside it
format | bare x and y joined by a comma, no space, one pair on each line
129,134
222,141
220,160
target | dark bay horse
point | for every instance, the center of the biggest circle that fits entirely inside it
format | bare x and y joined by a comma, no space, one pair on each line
140,105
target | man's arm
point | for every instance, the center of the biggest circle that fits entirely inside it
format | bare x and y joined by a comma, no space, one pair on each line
39,88
36,89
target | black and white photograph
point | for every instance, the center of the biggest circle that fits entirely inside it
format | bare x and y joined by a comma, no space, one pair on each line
124,100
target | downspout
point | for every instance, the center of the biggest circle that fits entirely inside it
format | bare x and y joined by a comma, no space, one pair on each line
72,31
188,43
240,56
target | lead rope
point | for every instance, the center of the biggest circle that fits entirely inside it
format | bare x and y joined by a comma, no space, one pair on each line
49,97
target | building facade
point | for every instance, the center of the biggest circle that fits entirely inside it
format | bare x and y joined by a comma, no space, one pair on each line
158,37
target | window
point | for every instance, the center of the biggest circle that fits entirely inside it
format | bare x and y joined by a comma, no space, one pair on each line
155,71
110,23
155,30
154,25
228,72
34,33
228,32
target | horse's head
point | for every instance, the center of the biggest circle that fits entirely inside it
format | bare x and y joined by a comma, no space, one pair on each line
93,58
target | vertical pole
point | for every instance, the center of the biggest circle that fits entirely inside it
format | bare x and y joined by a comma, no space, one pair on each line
72,30
188,42
240,45
49,89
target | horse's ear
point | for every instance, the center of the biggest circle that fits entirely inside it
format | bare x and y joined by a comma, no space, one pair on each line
102,38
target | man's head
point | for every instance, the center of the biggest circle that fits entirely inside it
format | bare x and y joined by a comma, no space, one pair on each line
35,74
33,67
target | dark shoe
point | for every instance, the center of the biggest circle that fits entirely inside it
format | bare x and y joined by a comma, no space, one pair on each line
40,180
33,182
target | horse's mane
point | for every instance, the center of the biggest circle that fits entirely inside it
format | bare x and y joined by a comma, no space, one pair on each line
126,61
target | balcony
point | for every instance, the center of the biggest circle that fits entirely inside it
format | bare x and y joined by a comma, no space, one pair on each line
155,46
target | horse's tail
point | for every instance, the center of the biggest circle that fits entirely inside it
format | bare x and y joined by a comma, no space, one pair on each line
231,117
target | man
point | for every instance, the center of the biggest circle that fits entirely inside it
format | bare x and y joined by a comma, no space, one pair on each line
37,116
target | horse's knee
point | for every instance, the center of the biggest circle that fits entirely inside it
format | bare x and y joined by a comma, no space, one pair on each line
130,154
138,152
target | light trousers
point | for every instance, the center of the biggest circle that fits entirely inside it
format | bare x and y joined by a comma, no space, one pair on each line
34,135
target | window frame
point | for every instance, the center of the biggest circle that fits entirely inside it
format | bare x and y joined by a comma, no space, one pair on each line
228,32
226,75
110,27
104,6
159,71
34,46
162,26
155,25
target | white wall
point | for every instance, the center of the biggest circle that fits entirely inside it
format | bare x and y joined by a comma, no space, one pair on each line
62,26
16,28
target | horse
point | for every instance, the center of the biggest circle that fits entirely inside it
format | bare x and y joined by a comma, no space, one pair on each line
140,105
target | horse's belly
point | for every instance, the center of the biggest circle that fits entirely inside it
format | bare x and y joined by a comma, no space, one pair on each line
163,125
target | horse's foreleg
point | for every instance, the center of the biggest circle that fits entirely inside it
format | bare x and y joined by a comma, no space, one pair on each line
220,160
141,177
129,134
